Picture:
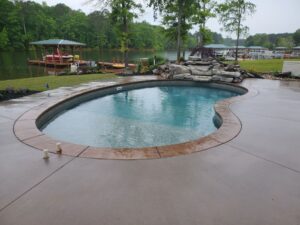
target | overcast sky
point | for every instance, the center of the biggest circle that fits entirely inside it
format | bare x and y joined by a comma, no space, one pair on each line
272,16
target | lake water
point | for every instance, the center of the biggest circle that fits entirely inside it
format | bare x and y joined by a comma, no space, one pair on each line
13,65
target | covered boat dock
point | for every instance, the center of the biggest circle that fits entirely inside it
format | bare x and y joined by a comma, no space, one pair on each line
58,57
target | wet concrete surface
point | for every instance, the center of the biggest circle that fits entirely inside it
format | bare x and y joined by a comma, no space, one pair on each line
253,179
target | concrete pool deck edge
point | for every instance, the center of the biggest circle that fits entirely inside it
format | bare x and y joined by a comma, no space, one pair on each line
26,130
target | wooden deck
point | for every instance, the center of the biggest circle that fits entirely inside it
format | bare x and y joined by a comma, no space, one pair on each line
116,71
115,65
54,64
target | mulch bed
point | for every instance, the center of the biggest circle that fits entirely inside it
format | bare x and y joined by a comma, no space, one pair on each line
12,94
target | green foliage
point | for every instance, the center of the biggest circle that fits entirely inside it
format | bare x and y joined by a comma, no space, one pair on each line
25,21
232,15
296,37
203,10
3,39
272,40
206,35
122,14
216,38
146,36
101,32
287,42
177,17
259,40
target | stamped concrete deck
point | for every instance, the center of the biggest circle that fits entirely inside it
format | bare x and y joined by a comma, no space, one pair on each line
253,179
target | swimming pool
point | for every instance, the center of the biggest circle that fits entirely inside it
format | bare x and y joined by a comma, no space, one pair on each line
149,116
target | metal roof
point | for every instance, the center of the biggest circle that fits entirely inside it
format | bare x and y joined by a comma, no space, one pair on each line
217,46
57,42
256,47
240,47
298,47
281,47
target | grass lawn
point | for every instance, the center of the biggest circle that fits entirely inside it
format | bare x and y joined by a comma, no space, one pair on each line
38,83
265,65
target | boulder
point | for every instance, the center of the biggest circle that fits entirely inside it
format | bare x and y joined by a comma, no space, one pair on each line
178,69
201,72
216,78
166,75
223,79
201,68
202,78
156,72
226,73
184,76
200,63
232,68
162,67
194,58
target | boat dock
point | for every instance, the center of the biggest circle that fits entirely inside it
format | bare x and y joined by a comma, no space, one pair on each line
54,63
115,65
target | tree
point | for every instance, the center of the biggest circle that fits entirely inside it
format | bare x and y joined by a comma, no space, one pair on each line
25,21
204,9
232,13
296,37
177,29
217,38
259,40
177,16
122,13
3,38
287,42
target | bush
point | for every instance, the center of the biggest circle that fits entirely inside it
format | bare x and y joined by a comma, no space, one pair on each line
10,90
158,60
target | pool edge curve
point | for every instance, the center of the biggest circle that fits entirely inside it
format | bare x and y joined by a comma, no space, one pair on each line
26,130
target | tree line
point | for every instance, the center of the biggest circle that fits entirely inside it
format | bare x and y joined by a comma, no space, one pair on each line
271,41
113,26
23,22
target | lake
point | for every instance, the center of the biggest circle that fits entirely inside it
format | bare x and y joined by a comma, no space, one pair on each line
13,65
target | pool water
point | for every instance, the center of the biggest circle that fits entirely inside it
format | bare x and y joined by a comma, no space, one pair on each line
144,117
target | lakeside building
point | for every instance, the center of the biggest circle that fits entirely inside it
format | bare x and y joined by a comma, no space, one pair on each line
218,50
254,52
281,50
296,51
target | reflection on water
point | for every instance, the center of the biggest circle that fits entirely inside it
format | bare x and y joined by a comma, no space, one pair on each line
13,65
139,118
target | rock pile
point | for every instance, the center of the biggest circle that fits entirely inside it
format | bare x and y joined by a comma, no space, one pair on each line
203,70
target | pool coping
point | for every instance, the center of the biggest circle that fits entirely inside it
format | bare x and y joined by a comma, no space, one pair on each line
26,131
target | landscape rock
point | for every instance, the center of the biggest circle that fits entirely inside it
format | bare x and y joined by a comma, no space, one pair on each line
199,63
184,76
203,70
155,72
223,79
178,69
194,58
202,78
226,73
